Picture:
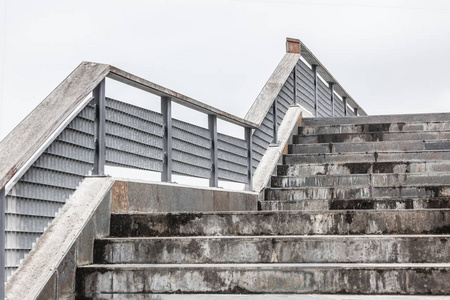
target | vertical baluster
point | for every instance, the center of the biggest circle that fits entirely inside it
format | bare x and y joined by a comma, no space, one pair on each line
355,109
275,123
295,86
331,84
316,103
99,123
2,243
248,138
212,125
166,111
344,99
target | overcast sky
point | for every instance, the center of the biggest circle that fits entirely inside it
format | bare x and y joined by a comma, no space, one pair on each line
391,56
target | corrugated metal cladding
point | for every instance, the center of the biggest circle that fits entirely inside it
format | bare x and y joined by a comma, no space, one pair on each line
133,136
338,107
305,86
134,140
42,191
324,99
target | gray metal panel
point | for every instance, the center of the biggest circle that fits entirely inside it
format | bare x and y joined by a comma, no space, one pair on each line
133,136
338,107
305,85
324,98
232,153
41,192
191,149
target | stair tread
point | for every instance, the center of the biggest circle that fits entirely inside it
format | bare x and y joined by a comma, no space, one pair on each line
271,265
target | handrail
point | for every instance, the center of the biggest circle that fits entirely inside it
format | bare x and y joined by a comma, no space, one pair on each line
20,145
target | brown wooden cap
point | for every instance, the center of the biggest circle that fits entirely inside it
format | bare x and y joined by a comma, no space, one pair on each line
292,45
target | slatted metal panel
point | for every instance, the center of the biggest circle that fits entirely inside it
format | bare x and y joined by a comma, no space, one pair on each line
324,99
133,136
338,107
41,192
350,112
285,98
191,149
262,137
305,85
232,155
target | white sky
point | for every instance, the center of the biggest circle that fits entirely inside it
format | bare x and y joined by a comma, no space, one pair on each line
391,56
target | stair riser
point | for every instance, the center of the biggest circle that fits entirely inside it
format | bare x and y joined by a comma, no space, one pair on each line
371,137
369,147
364,168
416,118
292,159
356,193
378,204
384,127
283,223
275,250
101,282
378,180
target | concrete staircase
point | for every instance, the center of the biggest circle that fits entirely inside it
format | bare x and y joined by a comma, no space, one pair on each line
360,206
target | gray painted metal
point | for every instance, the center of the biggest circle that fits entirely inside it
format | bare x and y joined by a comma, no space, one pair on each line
344,99
248,139
166,110
212,126
99,123
274,123
232,158
331,85
316,100
2,242
305,85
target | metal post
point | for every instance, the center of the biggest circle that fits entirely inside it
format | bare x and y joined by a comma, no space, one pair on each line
99,123
275,123
331,84
316,103
355,109
295,86
2,243
166,111
344,99
212,125
248,138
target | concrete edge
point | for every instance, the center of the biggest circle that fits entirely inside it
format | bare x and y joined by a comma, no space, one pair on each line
48,272
273,156
139,196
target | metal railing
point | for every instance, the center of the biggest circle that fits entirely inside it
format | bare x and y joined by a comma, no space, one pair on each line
77,130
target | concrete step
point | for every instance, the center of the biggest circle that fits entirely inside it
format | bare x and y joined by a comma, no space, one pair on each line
371,137
369,157
429,221
375,180
400,167
369,147
274,249
375,127
406,118
103,281
340,204
357,192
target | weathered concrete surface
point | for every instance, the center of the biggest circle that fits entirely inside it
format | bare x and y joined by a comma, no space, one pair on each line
102,280
380,180
282,223
361,192
370,147
367,157
48,272
143,196
407,118
432,166
376,127
371,137
343,204
274,249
